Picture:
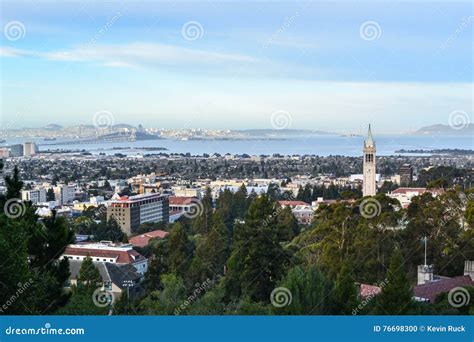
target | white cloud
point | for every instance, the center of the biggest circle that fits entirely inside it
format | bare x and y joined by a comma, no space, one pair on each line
134,54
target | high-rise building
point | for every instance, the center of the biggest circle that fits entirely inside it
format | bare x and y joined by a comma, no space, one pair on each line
406,175
131,212
34,195
16,150
369,184
64,193
29,149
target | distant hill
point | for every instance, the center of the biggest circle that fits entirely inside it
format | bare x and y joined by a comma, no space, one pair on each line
281,132
53,127
441,129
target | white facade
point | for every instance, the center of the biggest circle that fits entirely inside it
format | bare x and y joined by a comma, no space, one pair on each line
29,149
64,194
35,195
106,251
181,191
369,168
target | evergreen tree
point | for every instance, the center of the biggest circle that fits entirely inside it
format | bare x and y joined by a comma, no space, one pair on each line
168,301
211,253
304,291
89,275
50,195
14,185
345,291
396,296
179,251
287,224
258,259
108,230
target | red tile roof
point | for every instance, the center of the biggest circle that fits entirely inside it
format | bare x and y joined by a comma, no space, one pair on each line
292,203
173,200
419,190
431,290
369,290
122,257
143,239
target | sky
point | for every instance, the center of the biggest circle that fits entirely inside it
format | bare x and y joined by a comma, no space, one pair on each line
319,65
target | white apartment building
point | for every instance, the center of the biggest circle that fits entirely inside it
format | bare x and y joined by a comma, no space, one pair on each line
64,194
182,191
29,149
35,195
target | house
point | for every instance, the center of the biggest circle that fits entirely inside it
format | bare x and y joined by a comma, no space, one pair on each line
117,278
302,211
143,239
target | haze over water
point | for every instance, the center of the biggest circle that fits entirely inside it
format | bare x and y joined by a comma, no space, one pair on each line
317,145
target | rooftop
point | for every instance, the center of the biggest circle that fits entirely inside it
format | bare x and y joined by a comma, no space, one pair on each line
143,239
430,291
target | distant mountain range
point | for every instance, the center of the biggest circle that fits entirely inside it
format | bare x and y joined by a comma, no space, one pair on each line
55,130
441,129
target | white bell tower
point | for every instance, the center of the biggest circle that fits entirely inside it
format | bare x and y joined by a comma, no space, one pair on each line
368,187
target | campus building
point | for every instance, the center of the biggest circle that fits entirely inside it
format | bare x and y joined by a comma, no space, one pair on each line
131,212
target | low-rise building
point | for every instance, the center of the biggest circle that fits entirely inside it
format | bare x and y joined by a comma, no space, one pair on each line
302,211
143,239
405,195
106,251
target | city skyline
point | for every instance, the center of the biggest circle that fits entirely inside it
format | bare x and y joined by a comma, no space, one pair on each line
219,66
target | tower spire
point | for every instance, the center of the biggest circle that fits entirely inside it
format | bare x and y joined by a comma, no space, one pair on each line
370,139
369,166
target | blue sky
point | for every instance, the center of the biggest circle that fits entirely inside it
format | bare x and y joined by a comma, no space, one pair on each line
313,60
